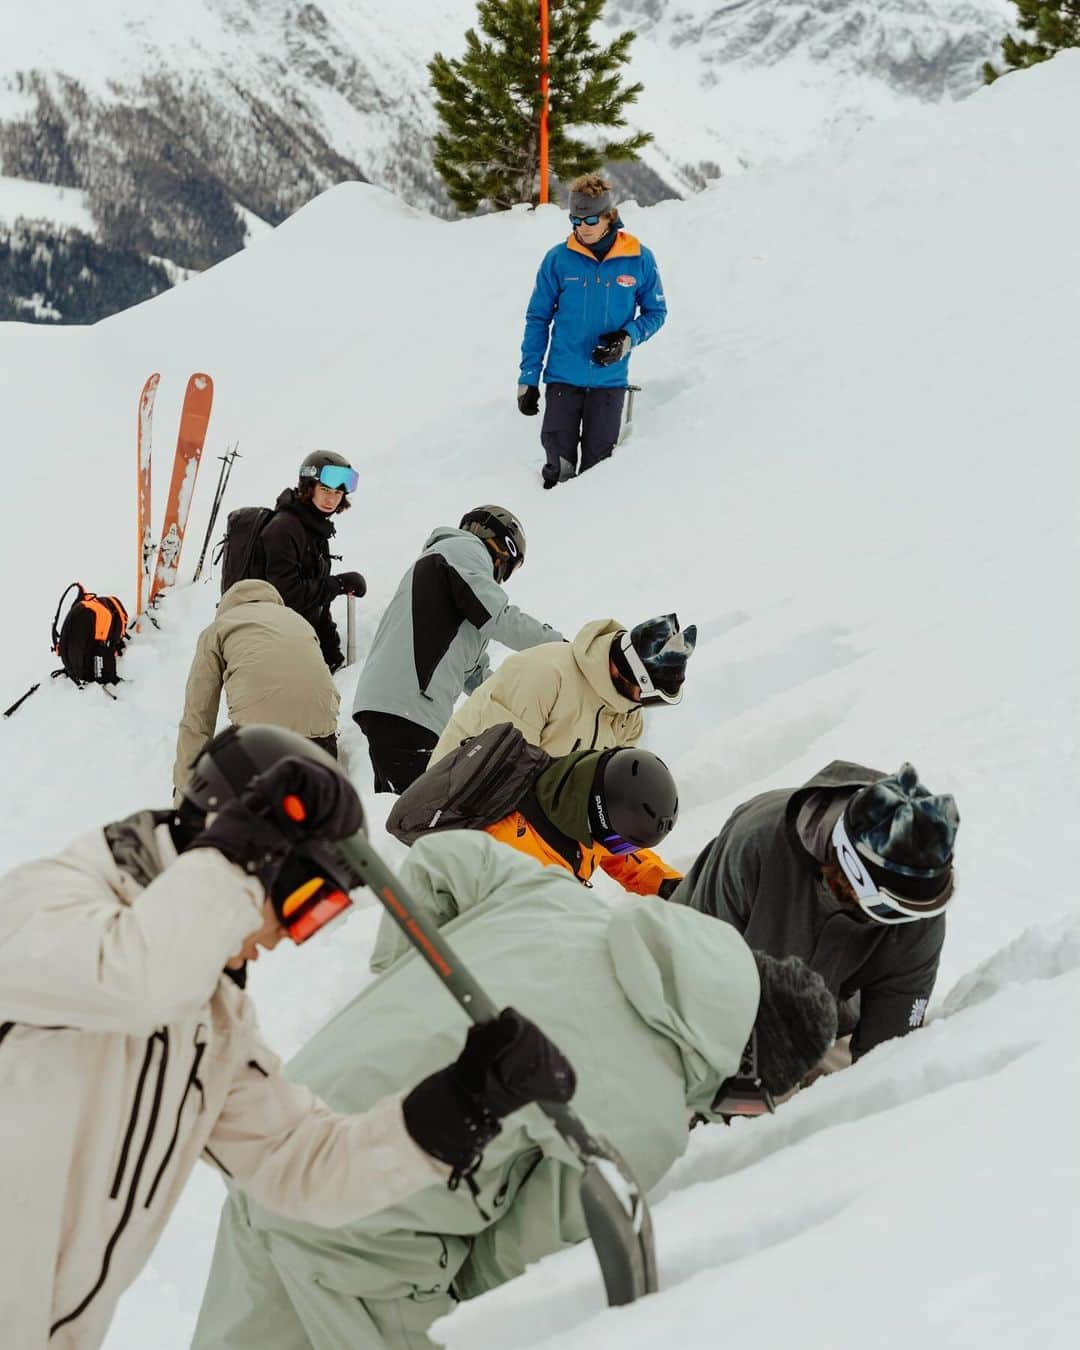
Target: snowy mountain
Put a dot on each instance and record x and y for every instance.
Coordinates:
(184, 127)
(854, 467)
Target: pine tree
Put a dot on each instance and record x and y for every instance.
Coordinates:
(1055, 23)
(489, 101)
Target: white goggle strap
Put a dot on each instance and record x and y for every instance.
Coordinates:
(641, 674)
(881, 906)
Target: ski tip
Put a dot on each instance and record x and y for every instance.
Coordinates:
(201, 381)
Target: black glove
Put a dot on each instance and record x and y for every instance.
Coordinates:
(612, 347)
(295, 800)
(349, 583)
(528, 399)
(666, 889)
(506, 1064)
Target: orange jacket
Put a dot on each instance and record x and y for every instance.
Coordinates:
(640, 872)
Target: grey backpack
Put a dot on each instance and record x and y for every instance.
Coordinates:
(475, 785)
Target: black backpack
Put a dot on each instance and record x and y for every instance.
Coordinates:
(240, 557)
(475, 785)
(90, 638)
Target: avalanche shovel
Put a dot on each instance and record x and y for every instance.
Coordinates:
(615, 1209)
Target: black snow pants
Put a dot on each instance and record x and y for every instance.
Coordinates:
(400, 750)
(573, 415)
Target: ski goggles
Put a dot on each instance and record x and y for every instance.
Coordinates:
(337, 477)
(650, 690)
(311, 891)
(594, 219)
(881, 904)
(617, 844)
(745, 1094)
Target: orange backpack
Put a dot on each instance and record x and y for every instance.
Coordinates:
(90, 638)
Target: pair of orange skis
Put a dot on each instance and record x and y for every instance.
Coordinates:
(159, 556)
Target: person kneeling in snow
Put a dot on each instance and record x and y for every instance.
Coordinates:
(657, 1008)
(126, 1054)
(268, 660)
(581, 695)
(590, 809)
(852, 872)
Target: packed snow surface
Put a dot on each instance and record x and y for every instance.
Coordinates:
(854, 467)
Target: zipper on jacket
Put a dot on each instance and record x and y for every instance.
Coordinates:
(129, 1203)
(596, 729)
(577, 742)
(132, 1119)
(501, 1193)
(192, 1081)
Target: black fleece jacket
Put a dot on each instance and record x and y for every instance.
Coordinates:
(758, 875)
(295, 548)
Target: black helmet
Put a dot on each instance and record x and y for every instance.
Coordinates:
(330, 469)
(502, 530)
(227, 764)
(633, 801)
(310, 887)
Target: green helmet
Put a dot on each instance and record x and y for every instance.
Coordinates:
(501, 530)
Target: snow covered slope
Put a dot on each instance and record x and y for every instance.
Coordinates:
(278, 99)
(855, 469)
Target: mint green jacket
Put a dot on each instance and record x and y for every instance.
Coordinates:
(652, 1003)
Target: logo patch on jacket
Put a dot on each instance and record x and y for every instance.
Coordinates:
(624, 280)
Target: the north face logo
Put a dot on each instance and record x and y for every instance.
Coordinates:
(624, 280)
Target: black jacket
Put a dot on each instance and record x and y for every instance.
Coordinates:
(295, 548)
(759, 875)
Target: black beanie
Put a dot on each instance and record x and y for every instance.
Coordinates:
(795, 1024)
(905, 834)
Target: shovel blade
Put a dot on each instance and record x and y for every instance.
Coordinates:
(620, 1229)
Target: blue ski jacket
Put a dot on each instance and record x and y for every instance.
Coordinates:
(576, 298)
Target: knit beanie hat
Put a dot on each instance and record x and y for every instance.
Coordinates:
(662, 647)
(904, 834)
(795, 1023)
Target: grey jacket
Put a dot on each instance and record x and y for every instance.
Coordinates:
(646, 985)
(431, 643)
(762, 874)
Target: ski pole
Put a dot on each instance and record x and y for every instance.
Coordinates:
(350, 631)
(616, 1211)
(227, 460)
(20, 701)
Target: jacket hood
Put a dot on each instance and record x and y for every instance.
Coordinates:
(591, 649)
(248, 592)
(812, 809)
(312, 517)
(441, 532)
(692, 980)
(563, 789)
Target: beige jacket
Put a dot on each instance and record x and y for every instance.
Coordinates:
(268, 659)
(125, 1055)
(559, 696)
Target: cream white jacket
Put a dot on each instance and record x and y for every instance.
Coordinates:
(125, 1055)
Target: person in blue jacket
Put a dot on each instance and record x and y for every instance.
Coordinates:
(596, 296)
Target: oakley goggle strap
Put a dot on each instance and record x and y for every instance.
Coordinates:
(883, 906)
